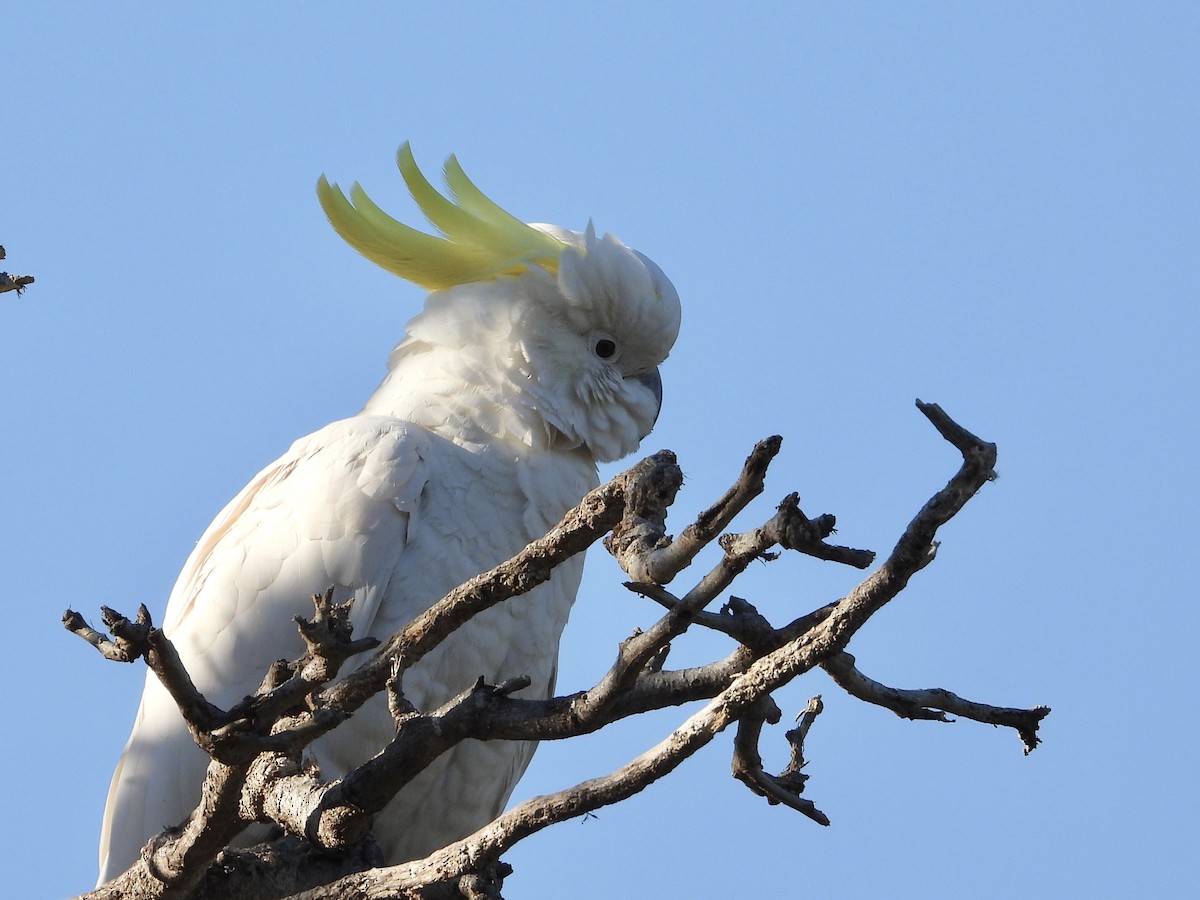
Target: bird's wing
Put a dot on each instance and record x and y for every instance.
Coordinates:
(298, 528)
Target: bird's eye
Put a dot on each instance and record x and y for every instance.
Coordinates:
(605, 348)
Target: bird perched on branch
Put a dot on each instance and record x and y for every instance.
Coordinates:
(535, 357)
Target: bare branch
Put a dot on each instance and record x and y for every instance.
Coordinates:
(598, 512)
(639, 540)
(533, 815)
(796, 531)
(786, 787)
(174, 863)
(932, 703)
(257, 773)
(916, 547)
(765, 674)
(329, 642)
(130, 641)
(421, 739)
(282, 868)
(16, 283)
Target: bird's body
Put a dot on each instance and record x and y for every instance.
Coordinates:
(498, 403)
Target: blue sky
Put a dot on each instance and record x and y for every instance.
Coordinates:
(993, 207)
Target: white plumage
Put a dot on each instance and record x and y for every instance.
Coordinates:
(535, 357)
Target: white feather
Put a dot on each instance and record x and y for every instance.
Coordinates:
(382, 511)
(485, 430)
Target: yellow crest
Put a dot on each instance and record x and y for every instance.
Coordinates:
(480, 240)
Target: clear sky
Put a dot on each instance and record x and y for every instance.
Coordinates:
(993, 207)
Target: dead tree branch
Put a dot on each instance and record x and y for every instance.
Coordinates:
(932, 703)
(786, 787)
(257, 773)
(16, 283)
(262, 735)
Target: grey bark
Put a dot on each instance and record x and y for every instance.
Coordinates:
(258, 773)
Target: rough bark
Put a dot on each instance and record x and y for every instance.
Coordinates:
(257, 773)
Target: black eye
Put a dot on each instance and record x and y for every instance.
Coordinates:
(605, 348)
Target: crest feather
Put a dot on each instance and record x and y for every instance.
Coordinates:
(479, 239)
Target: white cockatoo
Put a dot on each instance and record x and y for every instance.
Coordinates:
(535, 357)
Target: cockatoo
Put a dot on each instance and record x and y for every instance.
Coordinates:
(535, 357)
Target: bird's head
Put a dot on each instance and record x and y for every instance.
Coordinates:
(578, 323)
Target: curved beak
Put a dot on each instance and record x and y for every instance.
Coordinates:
(653, 381)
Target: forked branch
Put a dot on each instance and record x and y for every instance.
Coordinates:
(258, 772)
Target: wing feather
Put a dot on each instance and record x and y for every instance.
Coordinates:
(296, 529)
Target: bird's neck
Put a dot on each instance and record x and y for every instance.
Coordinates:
(461, 373)
(464, 398)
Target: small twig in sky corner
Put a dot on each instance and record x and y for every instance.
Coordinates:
(16, 283)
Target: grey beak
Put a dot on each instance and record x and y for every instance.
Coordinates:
(653, 381)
